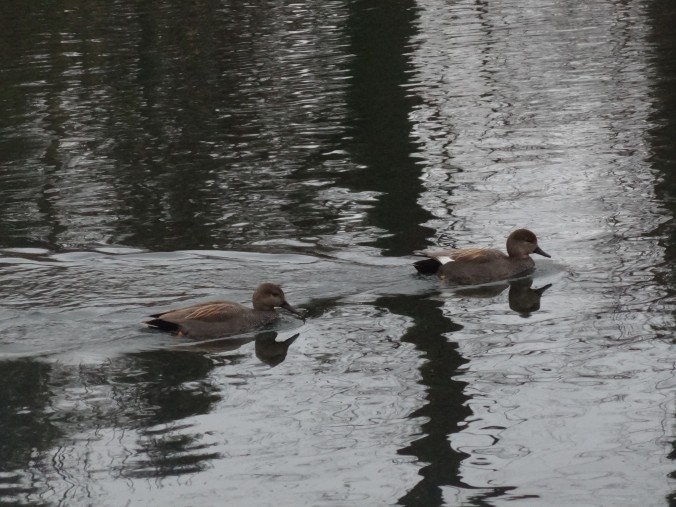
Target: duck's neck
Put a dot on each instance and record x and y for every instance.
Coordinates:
(516, 253)
(264, 308)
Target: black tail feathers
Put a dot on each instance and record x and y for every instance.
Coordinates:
(162, 325)
(427, 266)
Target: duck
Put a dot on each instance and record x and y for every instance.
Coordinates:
(219, 318)
(476, 266)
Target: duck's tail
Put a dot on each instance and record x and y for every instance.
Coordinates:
(162, 325)
(427, 266)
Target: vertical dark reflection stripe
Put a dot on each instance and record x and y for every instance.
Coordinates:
(445, 401)
(380, 32)
(662, 147)
(662, 136)
(445, 407)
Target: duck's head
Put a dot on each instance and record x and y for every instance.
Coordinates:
(522, 243)
(269, 296)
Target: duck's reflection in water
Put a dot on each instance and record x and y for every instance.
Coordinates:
(267, 347)
(269, 350)
(523, 298)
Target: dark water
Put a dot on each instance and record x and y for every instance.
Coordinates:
(154, 155)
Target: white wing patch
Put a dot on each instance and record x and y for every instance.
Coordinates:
(444, 259)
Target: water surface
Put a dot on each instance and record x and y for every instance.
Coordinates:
(156, 157)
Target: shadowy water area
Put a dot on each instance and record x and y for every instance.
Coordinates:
(154, 156)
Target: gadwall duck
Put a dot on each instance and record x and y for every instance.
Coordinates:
(218, 318)
(474, 266)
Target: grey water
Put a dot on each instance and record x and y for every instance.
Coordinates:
(160, 154)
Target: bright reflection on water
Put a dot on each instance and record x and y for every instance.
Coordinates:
(151, 158)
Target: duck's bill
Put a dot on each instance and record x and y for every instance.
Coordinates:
(291, 309)
(540, 251)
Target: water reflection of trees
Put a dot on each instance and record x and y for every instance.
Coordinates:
(445, 406)
(162, 389)
(26, 430)
(663, 161)
(195, 124)
(54, 416)
(380, 33)
(380, 36)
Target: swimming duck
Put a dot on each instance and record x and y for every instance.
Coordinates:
(474, 266)
(218, 318)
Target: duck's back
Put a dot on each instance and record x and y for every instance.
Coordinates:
(476, 255)
(217, 318)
